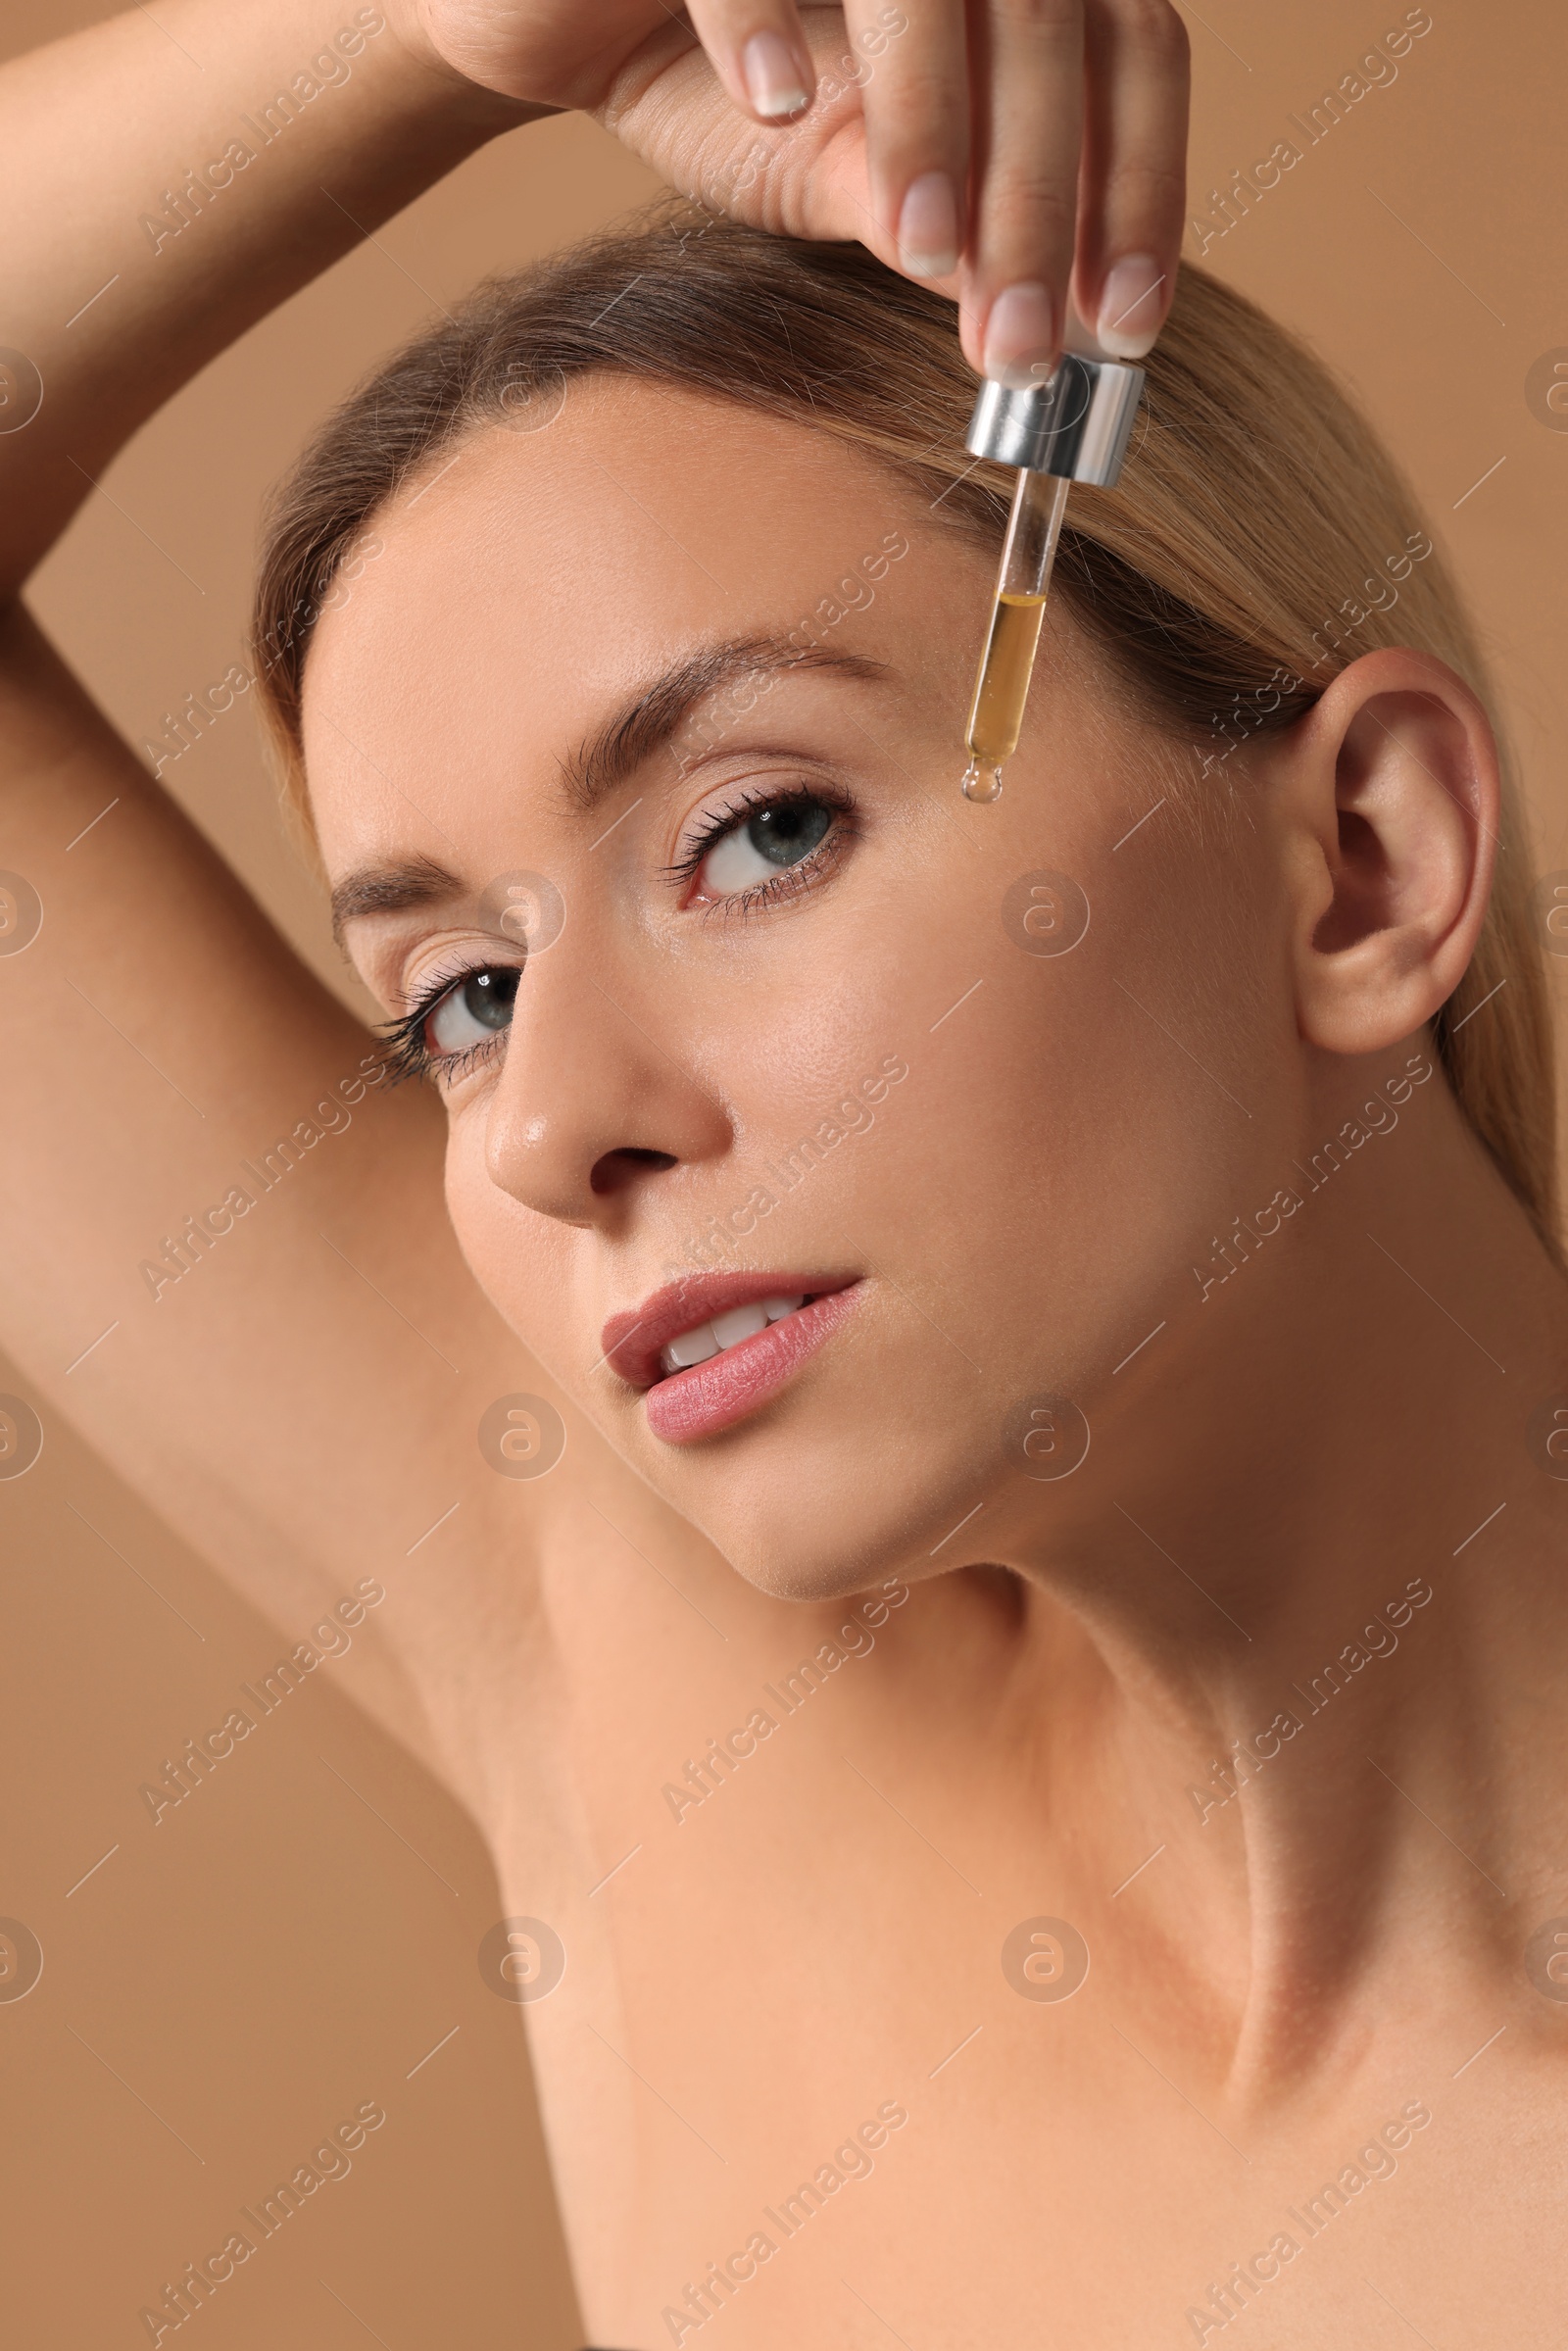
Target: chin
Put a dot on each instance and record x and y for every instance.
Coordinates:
(817, 1498)
(823, 1553)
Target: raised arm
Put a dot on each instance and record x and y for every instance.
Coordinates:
(168, 183)
(222, 1254)
(180, 178)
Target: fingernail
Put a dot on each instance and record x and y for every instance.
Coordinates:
(928, 226)
(1020, 347)
(1129, 308)
(771, 75)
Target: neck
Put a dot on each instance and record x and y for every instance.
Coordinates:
(1308, 1571)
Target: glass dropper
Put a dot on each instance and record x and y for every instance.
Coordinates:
(1002, 683)
(1073, 427)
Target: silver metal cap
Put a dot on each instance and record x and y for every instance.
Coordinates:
(1076, 426)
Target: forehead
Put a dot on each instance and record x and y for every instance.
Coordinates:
(524, 584)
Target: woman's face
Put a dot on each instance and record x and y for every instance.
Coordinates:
(734, 1000)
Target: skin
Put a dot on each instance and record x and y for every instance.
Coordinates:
(1029, 159)
(1039, 1671)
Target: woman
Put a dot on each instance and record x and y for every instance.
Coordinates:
(1002, 1619)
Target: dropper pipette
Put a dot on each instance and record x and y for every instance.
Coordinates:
(1074, 427)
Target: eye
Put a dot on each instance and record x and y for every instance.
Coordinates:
(760, 847)
(472, 1013)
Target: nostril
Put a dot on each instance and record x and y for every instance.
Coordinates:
(618, 1168)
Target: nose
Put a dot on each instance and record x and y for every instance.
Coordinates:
(594, 1100)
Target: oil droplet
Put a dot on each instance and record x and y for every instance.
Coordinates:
(983, 784)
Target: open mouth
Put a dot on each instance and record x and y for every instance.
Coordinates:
(709, 1339)
(708, 1350)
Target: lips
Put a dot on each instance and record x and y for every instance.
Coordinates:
(708, 1396)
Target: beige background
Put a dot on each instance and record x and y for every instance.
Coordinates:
(222, 1989)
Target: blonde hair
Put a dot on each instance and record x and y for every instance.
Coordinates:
(1223, 579)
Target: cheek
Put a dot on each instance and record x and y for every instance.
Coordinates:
(1051, 1153)
(1059, 1150)
(522, 1261)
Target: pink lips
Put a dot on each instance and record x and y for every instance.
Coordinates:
(708, 1396)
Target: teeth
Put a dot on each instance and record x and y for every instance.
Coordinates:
(741, 1322)
(692, 1346)
(725, 1330)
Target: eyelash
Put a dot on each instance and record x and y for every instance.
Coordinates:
(403, 1054)
(717, 822)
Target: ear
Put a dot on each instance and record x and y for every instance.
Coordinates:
(1388, 789)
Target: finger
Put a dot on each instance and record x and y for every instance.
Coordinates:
(911, 68)
(759, 53)
(1021, 245)
(1133, 187)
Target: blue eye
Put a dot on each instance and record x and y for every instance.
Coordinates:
(472, 1013)
(769, 840)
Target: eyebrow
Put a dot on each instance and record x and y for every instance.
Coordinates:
(645, 723)
(390, 889)
(653, 718)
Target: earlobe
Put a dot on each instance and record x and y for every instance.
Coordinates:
(1390, 792)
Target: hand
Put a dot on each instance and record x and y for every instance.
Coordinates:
(1018, 154)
